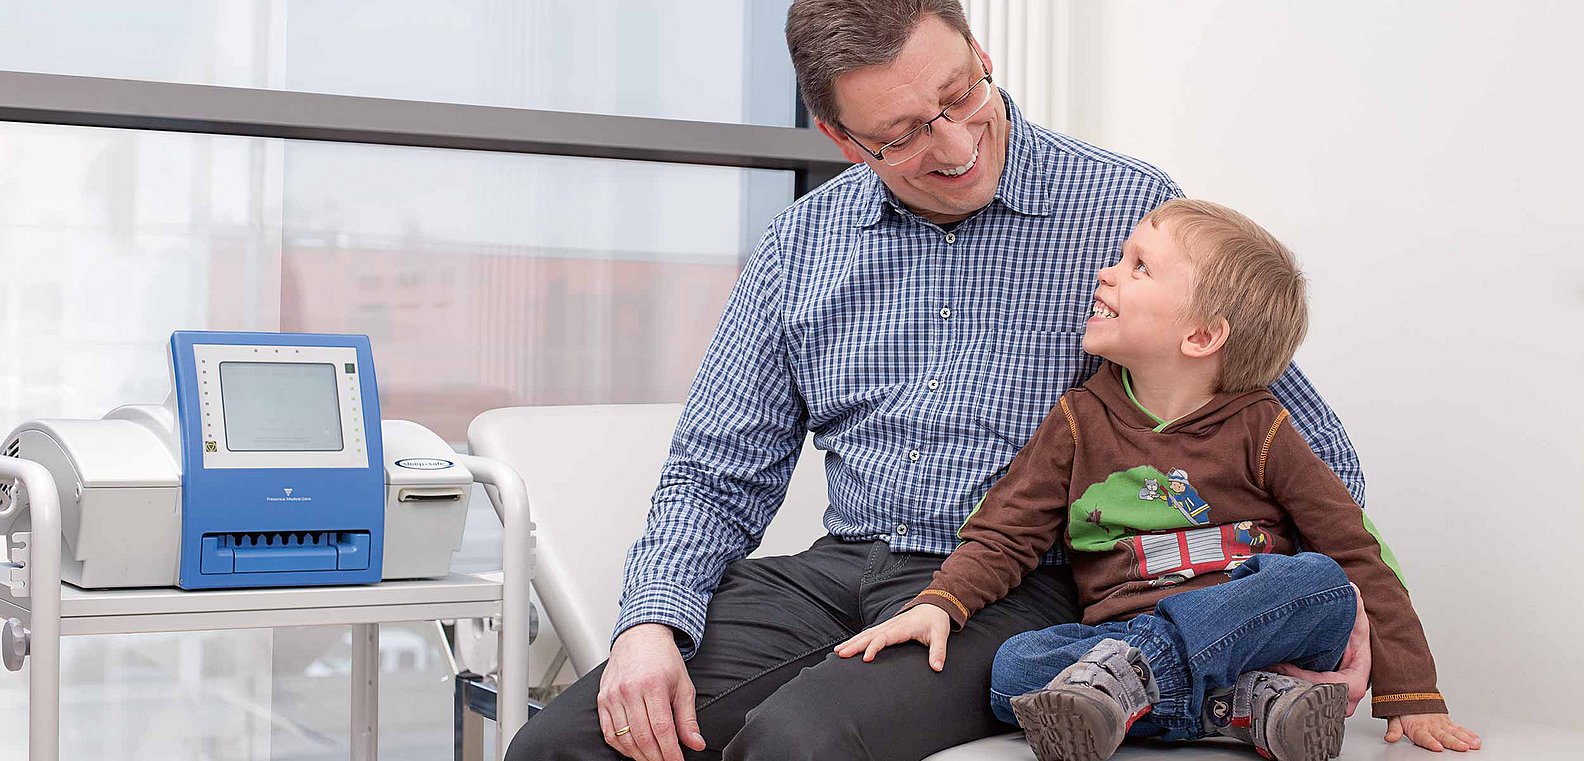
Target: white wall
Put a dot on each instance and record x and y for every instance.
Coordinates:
(1422, 159)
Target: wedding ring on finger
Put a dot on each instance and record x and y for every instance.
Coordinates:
(624, 730)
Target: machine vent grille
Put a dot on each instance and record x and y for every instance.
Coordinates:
(12, 447)
(284, 539)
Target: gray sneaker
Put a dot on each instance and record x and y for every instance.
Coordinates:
(1284, 718)
(1084, 713)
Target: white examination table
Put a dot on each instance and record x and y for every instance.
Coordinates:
(591, 470)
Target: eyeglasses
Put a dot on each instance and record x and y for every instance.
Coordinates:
(917, 140)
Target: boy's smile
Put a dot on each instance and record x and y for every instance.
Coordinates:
(1137, 319)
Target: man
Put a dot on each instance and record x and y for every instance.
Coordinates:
(920, 313)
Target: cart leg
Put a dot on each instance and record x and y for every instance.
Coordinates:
(44, 621)
(365, 692)
(472, 736)
(467, 725)
(44, 682)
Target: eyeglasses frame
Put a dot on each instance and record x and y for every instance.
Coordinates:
(879, 155)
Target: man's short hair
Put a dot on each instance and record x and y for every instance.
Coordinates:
(1241, 273)
(829, 38)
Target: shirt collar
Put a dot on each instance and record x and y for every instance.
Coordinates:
(876, 197)
(1025, 182)
(1021, 188)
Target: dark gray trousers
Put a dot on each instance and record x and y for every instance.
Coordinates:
(769, 686)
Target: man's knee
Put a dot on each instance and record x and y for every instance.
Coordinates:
(535, 741)
(567, 729)
(556, 739)
(795, 733)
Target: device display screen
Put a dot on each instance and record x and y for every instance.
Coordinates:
(280, 407)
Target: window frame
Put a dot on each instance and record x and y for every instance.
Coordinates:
(65, 99)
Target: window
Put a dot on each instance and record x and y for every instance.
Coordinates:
(483, 278)
(707, 60)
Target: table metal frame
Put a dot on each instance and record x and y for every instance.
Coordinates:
(50, 610)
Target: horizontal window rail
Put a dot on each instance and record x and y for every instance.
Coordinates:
(173, 107)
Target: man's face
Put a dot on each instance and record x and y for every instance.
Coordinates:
(1137, 320)
(881, 103)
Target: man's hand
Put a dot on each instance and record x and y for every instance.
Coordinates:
(1354, 670)
(646, 698)
(926, 624)
(1431, 731)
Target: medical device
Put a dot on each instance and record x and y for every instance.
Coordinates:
(268, 465)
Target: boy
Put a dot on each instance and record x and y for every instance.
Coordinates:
(1183, 494)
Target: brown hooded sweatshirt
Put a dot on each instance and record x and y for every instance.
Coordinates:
(1148, 509)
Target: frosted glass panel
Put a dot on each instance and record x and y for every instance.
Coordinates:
(709, 60)
(489, 280)
(482, 280)
(110, 240)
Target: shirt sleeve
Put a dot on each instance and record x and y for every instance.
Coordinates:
(731, 458)
(1019, 519)
(1403, 674)
(1320, 429)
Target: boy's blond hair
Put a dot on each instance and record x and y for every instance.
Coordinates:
(1241, 273)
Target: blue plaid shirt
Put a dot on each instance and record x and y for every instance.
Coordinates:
(921, 359)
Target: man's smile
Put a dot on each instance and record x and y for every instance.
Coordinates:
(963, 173)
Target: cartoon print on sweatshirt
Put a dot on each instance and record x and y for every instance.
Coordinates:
(1126, 503)
(1183, 496)
(1174, 557)
(1130, 511)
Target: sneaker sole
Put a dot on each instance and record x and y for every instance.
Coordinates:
(1310, 726)
(1069, 725)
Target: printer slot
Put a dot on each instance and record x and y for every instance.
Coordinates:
(430, 494)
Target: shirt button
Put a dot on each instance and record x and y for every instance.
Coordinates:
(901, 529)
(933, 384)
(913, 455)
(951, 238)
(945, 313)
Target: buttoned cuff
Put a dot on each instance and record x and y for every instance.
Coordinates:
(665, 603)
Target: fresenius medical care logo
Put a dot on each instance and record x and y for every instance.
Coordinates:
(288, 497)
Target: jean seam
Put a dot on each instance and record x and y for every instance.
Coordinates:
(901, 563)
(869, 564)
(749, 680)
(1167, 680)
(1227, 639)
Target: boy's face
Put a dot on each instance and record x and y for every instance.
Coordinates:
(1137, 320)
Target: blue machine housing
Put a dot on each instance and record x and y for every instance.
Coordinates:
(238, 531)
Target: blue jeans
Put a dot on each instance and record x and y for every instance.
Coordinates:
(1295, 609)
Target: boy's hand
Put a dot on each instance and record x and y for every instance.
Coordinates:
(926, 624)
(1431, 731)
